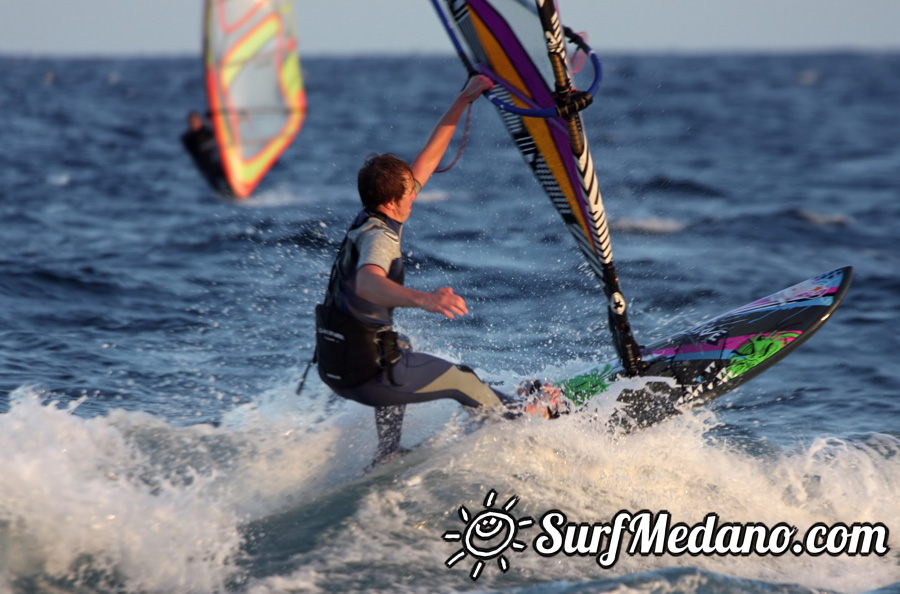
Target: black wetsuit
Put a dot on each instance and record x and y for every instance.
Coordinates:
(201, 145)
(368, 363)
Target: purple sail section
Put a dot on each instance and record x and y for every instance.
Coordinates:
(515, 51)
(540, 96)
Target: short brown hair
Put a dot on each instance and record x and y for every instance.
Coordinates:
(383, 179)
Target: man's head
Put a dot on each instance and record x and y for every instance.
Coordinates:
(194, 120)
(386, 184)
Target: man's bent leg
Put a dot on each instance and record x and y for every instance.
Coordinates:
(420, 377)
(473, 391)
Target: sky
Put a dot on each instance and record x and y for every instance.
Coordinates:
(342, 27)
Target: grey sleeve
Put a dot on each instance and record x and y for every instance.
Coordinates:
(378, 245)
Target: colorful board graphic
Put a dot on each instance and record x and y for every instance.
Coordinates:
(693, 367)
(254, 85)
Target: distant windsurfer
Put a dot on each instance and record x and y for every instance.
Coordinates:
(359, 355)
(200, 142)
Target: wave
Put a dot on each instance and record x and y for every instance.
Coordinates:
(275, 497)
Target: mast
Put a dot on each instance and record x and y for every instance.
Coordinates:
(569, 102)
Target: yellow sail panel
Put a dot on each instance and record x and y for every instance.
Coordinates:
(254, 85)
(552, 153)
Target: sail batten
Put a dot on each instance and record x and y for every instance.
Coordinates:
(254, 85)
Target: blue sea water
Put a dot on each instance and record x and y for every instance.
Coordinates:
(153, 335)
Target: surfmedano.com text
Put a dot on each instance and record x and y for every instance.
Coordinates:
(655, 534)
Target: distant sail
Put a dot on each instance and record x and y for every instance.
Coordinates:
(254, 85)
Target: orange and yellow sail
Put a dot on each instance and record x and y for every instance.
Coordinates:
(254, 85)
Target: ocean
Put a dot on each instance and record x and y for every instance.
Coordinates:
(153, 335)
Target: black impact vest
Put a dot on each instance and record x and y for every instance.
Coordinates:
(350, 352)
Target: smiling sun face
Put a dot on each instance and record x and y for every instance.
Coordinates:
(487, 535)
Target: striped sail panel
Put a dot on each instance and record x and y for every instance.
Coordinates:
(492, 31)
(254, 85)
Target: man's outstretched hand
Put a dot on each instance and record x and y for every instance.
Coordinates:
(444, 301)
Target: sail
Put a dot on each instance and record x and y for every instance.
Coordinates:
(254, 85)
(568, 179)
(539, 107)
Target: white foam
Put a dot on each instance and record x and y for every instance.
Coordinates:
(573, 465)
(163, 507)
(77, 488)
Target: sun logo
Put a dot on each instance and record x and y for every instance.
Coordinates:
(487, 535)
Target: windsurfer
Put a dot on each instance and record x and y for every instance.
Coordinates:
(200, 142)
(359, 355)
